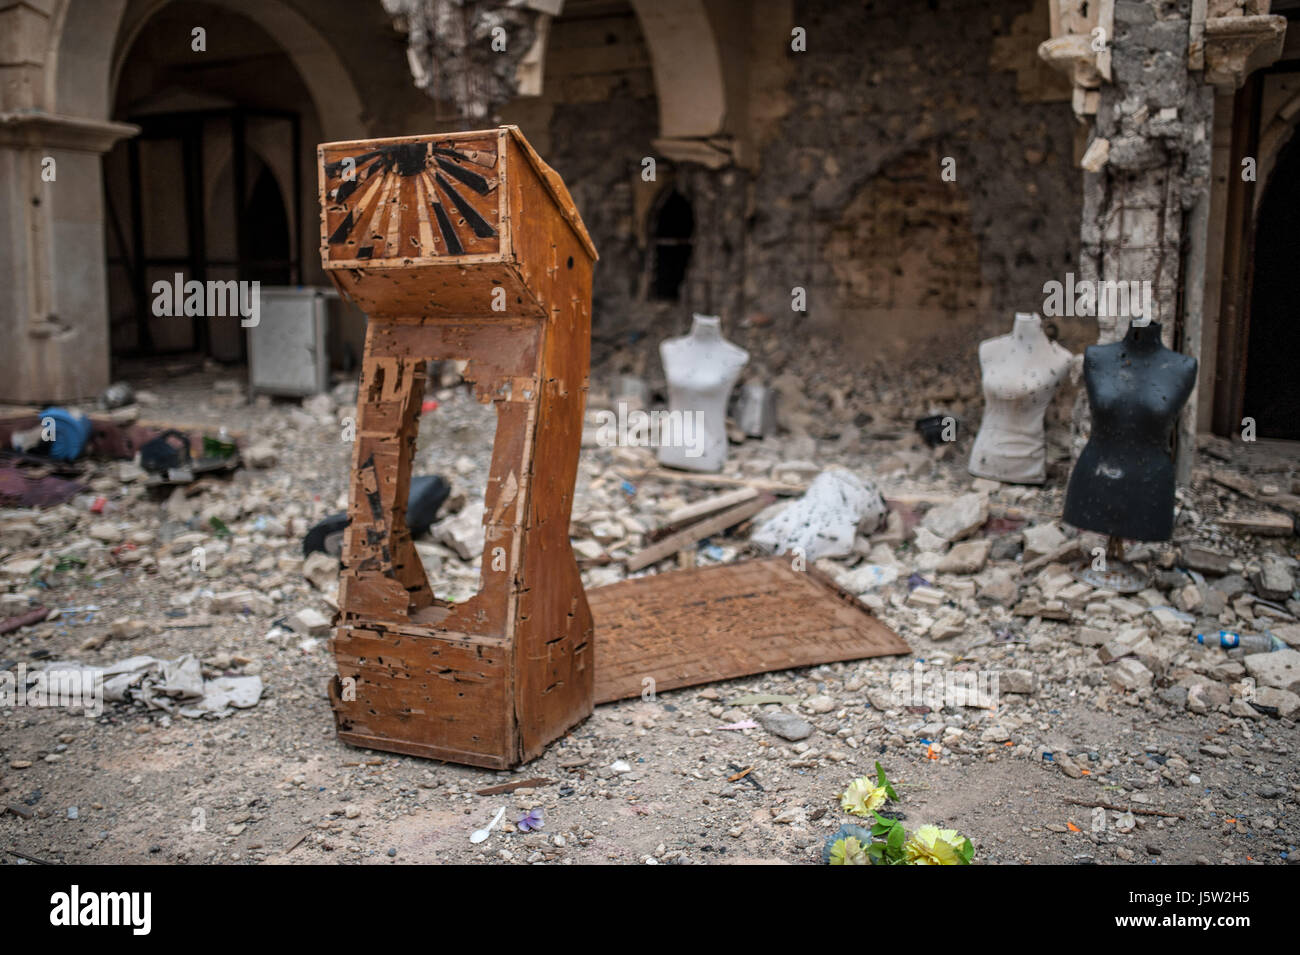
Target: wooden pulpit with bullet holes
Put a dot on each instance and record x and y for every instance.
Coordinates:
(462, 246)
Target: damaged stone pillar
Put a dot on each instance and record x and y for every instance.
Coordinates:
(1145, 72)
(54, 301)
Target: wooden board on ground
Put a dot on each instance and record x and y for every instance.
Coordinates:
(686, 628)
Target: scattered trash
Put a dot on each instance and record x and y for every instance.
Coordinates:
(165, 453)
(18, 488)
(117, 395)
(742, 725)
(480, 835)
(837, 506)
(427, 494)
(530, 821)
(70, 430)
(756, 410)
(35, 615)
(174, 686)
(932, 427)
(1250, 642)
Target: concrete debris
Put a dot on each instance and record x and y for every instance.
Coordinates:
(1111, 690)
(309, 622)
(1280, 669)
(959, 519)
(174, 686)
(462, 532)
(826, 521)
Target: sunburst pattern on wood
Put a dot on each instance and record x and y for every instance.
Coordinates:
(412, 200)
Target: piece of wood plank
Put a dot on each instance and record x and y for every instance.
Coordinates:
(696, 532)
(687, 628)
(712, 480)
(1260, 524)
(710, 505)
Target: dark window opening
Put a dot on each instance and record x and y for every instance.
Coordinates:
(674, 225)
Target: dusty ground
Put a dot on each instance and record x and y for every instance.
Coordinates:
(639, 781)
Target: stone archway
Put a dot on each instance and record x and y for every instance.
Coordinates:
(692, 100)
(54, 309)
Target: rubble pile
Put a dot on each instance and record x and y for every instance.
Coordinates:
(1017, 661)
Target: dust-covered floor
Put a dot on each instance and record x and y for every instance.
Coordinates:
(1171, 735)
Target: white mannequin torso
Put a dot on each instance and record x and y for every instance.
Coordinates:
(1021, 371)
(701, 369)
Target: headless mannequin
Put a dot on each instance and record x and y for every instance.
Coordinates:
(1021, 373)
(701, 369)
(1123, 483)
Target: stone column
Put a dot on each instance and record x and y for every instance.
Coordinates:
(1144, 74)
(54, 300)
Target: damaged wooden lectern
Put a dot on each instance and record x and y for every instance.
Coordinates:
(462, 246)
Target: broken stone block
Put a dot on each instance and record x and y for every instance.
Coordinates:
(127, 628)
(242, 601)
(966, 557)
(1170, 622)
(588, 549)
(1205, 560)
(949, 625)
(825, 521)
(1188, 599)
(322, 570)
(464, 532)
(1285, 702)
(1092, 636)
(1244, 710)
(1041, 540)
(1206, 697)
(309, 622)
(928, 543)
(1128, 674)
(926, 597)
(1273, 580)
(892, 531)
(1288, 633)
(1130, 641)
(959, 519)
(1233, 585)
(997, 584)
(1280, 669)
(105, 532)
(260, 455)
(786, 725)
(319, 406)
(1017, 681)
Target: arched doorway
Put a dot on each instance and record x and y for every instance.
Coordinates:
(220, 184)
(1272, 390)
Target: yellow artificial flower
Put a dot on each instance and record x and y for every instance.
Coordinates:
(863, 797)
(931, 845)
(849, 852)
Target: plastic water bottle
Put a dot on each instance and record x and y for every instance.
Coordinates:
(1250, 642)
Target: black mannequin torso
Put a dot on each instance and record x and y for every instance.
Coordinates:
(1123, 483)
